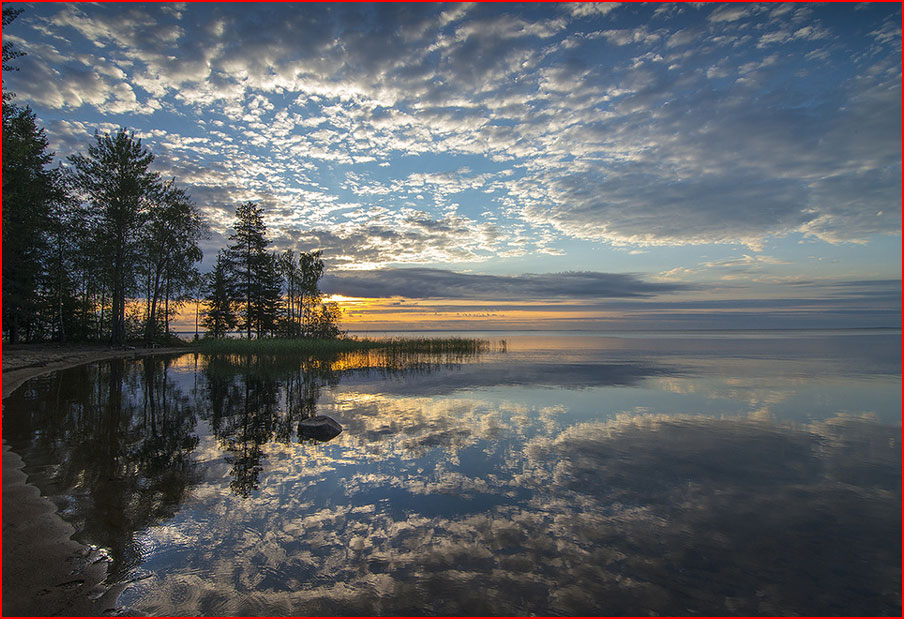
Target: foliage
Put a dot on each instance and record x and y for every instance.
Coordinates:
(30, 191)
(261, 284)
(78, 245)
(9, 51)
(86, 247)
(291, 273)
(311, 269)
(220, 317)
(324, 321)
(116, 181)
(249, 267)
(171, 236)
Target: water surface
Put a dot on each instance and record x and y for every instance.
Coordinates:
(713, 473)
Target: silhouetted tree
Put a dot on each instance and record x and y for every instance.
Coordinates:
(324, 322)
(30, 189)
(311, 267)
(61, 295)
(269, 295)
(291, 272)
(258, 280)
(250, 267)
(219, 317)
(9, 51)
(171, 236)
(196, 287)
(116, 181)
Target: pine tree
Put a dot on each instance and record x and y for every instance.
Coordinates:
(116, 181)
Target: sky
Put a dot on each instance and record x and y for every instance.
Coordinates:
(598, 166)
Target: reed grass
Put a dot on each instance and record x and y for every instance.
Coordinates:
(311, 346)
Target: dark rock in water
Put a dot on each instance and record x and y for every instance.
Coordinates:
(320, 428)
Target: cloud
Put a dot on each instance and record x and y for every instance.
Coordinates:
(716, 168)
(424, 283)
(374, 237)
(585, 9)
(630, 36)
(634, 208)
(682, 133)
(731, 12)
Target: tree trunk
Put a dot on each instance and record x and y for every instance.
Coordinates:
(147, 310)
(103, 302)
(166, 306)
(117, 330)
(150, 329)
(13, 328)
(248, 317)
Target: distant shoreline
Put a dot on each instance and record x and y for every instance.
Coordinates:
(620, 331)
(613, 332)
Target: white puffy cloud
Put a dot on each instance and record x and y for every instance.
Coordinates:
(576, 121)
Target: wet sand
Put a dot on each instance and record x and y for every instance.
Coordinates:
(45, 572)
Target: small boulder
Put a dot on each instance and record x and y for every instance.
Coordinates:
(321, 428)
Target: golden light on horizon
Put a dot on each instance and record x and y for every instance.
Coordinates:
(394, 313)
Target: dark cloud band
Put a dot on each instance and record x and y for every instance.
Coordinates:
(424, 283)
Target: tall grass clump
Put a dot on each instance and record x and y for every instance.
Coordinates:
(440, 345)
(450, 346)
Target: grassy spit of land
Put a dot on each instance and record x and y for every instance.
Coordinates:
(313, 347)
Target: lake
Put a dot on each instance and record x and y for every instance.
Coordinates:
(671, 473)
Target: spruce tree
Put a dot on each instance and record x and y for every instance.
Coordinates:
(30, 190)
(220, 317)
(248, 262)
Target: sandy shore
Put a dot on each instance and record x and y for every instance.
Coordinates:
(45, 572)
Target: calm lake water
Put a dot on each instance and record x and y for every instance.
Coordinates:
(564, 474)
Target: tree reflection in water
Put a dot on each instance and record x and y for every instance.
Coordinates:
(255, 399)
(465, 505)
(112, 443)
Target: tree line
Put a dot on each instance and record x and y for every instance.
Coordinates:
(106, 249)
(263, 293)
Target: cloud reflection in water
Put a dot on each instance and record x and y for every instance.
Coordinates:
(449, 503)
(647, 514)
